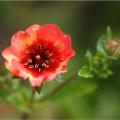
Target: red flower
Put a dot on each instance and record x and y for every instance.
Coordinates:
(39, 53)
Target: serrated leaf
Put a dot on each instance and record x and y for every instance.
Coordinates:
(85, 72)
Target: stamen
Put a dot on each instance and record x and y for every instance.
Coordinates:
(44, 64)
(26, 63)
(38, 46)
(49, 55)
(46, 61)
(46, 52)
(29, 60)
(31, 66)
(39, 69)
(51, 60)
(36, 65)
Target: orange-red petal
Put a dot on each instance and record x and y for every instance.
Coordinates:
(22, 39)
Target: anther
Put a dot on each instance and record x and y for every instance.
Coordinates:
(51, 60)
(36, 65)
(31, 66)
(44, 64)
(39, 69)
(38, 46)
(29, 60)
(26, 63)
(50, 54)
(46, 52)
(46, 61)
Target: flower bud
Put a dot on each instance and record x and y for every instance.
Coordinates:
(112, 46)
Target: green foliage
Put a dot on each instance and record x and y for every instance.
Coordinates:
(85, 72)
(15, 91)
(99, 63)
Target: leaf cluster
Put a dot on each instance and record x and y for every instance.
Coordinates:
(99, 63)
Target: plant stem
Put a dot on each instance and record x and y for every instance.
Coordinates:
(25, 116)
(57, 89)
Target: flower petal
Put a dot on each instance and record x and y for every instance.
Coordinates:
(8, 55)
(50, 32)
(67, 40)
(11, 68)
(69, 52)
(18, 42)
(35, 81)
(33, 28)
(22, 39)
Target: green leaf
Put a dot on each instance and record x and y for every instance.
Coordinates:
(76, 88)
(89, 59)
(2, 96)
(85, 72)
(101, 46)
(108, 34)
(105, 73)
(15, 84)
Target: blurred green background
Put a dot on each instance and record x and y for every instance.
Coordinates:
(85, 22)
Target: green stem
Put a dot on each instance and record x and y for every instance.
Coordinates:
(57, 89)
(25, 116)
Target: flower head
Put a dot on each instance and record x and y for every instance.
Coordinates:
(39, 53)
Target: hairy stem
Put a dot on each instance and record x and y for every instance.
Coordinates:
(57, 89)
